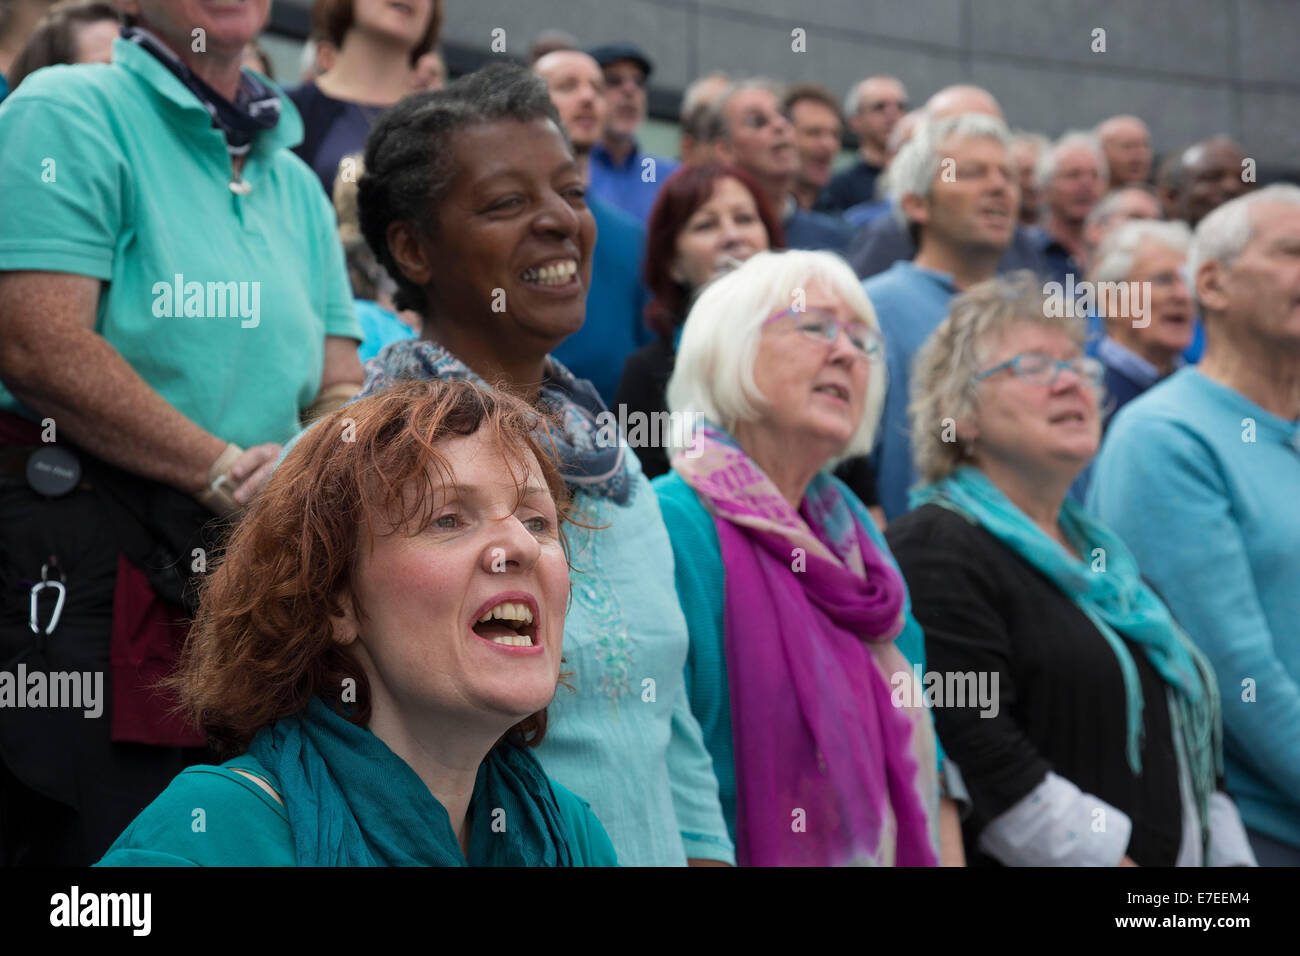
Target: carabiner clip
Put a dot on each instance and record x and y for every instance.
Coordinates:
(37, 588)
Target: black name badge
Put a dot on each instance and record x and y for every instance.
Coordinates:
(53, 471)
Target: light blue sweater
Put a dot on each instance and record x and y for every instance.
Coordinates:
(1204, 487)
(701, 586)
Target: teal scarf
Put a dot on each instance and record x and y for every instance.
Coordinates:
(353, 802)
(1108, 588)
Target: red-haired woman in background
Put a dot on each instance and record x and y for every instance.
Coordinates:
(706, 220)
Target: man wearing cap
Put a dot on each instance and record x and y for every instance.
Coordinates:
(621, 174)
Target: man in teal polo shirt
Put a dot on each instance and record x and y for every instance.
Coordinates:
(175, 299)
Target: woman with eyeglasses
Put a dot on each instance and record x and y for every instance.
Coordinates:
(802, 642)
(1101, 741)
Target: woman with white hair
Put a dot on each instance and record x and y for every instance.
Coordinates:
(1104, 746)
(1143, 298)
(798, 617)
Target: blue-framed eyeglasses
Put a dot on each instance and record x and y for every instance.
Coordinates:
(824, 327)
(1040, 369)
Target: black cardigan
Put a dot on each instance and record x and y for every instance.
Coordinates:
(984, 608)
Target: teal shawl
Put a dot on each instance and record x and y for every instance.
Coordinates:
(1108, 588)
(353, 802)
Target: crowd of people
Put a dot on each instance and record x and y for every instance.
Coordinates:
(978, 546)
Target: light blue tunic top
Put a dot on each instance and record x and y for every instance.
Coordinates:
(1204, 487)
(625, 739)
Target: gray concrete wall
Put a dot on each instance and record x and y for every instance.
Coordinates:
(1188, 67)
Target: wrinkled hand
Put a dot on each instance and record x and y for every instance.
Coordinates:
(252, 469)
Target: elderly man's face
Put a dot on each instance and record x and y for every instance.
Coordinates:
(577, 88)
(1127, 144)
(1260, 289)
(881, 103)
(972, 202)
(817, 131)
(227, 26)
(625, 97)
(1212, 176)
(1130, 204)
(1076, 185)
(487, 550)
(761, 139)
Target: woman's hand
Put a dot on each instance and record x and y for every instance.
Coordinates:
(1126, 861)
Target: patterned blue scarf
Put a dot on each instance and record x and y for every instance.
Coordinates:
(353, 802)
(256, 106)
(585, 463)
(1107, 586)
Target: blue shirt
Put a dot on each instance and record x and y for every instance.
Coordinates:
(910, 302)
(884, 240)
(631, 185)
(379, 327)
(1204, 487)
(815, 230)
(614, 327)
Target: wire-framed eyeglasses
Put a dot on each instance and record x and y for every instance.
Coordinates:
(825, 327)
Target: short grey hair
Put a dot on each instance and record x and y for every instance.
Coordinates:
(1047, 159)
(1109, 203)
(917, 163)
(1119, 250)
(714, 372)
(717, 125)
(853, 98)
(1225, 232)
(943, 378)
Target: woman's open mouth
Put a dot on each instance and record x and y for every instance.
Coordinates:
(560, 275)
(509, 625)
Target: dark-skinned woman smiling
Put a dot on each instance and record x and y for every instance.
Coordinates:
(473, 202)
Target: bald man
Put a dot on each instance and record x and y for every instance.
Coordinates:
(614, 328)
(1206, 175)
(1126, 141)
(883, 241)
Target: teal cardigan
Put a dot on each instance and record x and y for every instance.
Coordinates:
(701, 587)
(216, 816)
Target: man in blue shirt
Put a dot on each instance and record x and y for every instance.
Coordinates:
(614, 327)
(956, 184)
(1199, 475)
(885, 239)
(1071, 178)
(621, 174)
(873, 107)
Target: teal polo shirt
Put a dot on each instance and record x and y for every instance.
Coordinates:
(220, 302)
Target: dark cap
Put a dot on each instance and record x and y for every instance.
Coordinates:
(613, 52)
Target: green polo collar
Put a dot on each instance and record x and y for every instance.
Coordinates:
(169, 90)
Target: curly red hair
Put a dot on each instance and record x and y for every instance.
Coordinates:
(262, 644)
